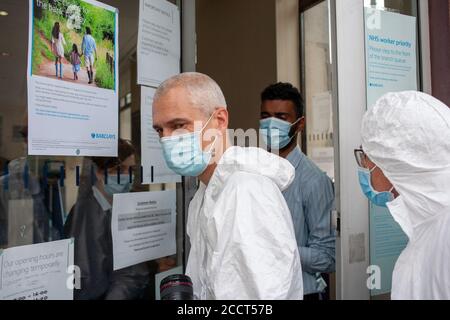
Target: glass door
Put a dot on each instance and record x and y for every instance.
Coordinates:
(317, 62)
(317, 87)
(39, 195)
(392, 64)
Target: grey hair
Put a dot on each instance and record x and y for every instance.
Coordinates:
(204, 93)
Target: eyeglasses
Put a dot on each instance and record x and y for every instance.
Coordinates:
(361, 158)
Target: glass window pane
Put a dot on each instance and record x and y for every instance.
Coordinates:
(125, 124)
(406, 7)
(42, 197)
(317, 64)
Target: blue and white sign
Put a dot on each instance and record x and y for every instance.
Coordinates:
(391, 66)
(39, 272)
(391, 53)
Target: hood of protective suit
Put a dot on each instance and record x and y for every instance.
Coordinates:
(407, 135)
(255, 161)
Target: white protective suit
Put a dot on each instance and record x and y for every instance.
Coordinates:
(407, 135)
(242, 237)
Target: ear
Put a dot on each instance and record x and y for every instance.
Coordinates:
(300, 127)
(222, 118)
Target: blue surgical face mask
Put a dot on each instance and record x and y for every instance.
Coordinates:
(380, 199)
(114, 187)
(276, 132)
(184, 154)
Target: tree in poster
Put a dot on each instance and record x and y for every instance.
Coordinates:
(73, 17)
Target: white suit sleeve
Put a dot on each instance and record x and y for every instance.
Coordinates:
(255, 253)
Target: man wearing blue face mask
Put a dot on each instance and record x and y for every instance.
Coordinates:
(241, 233)
(89, 223)
(311, 197)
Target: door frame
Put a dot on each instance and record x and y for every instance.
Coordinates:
(349, 102)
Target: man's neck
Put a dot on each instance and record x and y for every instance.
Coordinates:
(206, 176)
(287, 151)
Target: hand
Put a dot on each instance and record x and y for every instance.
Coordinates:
(166, 264)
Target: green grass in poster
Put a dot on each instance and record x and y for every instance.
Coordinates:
(73, 16)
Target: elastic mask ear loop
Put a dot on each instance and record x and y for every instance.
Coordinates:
(213, 144)
(207, 122)
(299, 119)
(291, 135)
(215, 137)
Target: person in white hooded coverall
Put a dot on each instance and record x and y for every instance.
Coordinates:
(242, 238)
(406, 141)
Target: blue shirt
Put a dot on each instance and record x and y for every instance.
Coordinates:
(311, 200)
(88, 46)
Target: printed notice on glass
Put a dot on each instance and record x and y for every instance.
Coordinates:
(155, 169)
(143, 227)
(159, 45)
(72, 78)
(37, 272)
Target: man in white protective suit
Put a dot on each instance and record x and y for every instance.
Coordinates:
(405, 166)
(242, 238)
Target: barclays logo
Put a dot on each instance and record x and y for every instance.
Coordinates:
(103, 136)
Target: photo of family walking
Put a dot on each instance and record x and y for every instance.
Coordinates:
(74, 41)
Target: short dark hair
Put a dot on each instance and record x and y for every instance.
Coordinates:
(126, 149)
(286, 92)
(88, 30)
